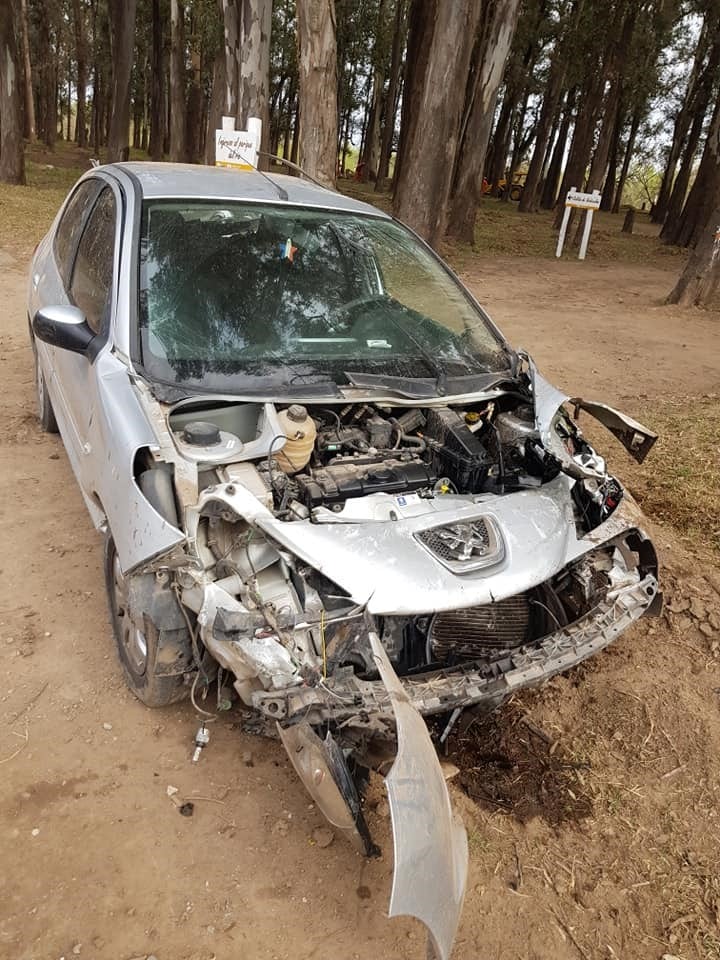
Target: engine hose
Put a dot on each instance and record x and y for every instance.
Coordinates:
(416, 442)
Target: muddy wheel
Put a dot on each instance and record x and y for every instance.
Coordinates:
(46, 414)
(139, 650)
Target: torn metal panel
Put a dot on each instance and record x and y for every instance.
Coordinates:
(637, 439)
(549, 401)
(431, 850)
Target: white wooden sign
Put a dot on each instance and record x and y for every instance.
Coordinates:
(583, 201)
(238, 148)
(577, 200)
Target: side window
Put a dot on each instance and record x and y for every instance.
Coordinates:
(93, 272)
(70, 223)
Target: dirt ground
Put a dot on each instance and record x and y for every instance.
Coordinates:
(591, 806)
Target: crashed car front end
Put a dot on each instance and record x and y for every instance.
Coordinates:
(346, 613)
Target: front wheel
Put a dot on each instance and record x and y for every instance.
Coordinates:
(144, 653)
(46, 414)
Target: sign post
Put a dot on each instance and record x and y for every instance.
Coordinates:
(575, 199)
(238, 149)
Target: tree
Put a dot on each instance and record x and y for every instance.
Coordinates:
(157, 88)
(393, 94)
(122, 26)
(698, 283)
(12, 162)
(177, 81)
(81, 55)
(27, 76)
(493, 48)
(317, 62)
(423, 186)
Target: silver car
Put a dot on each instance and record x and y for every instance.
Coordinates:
(326, 482)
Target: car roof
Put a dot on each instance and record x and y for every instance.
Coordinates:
(196, 181)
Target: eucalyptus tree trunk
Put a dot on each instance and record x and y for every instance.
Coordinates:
(421, 23)
(157, 84)
(246, 30)
(178, 152)
(217, 105)
(549, 193)
(254, 90)
(629, 147)
(27, 76)
(422, 191)
(122, 32)
(703, 196)
(681, 127)
(467, 189)
(393, 92)
(317, 68)
(529, 201)
(81, 58)
(698, 283)
(12, 160)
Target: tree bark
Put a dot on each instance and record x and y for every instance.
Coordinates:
(608, 193)
(529, 201)
(217, 105)
(157, 84)
(629, 147)
(12, 158)
(122, 31)
(704, 193)
(467, 191)
(178, 152)
(47, 94)
(680, 187)
(81, 58)
(548, 198)
(698, 283)
(421, 23)
(393, 91)
(254, 89)
(497, 157)
(27, 76)
(680, 130)
(317, 67)
(423, 190)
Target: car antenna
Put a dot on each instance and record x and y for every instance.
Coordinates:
(294, 166)
(281, 191)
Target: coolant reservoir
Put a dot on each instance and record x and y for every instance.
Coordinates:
(299, 428)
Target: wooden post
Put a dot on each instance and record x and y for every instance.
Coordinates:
(629, 221)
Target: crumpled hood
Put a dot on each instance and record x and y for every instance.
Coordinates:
(382, 565)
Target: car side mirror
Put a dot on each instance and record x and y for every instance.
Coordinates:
(64, 327)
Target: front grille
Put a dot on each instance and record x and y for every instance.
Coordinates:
(477, 632)
(464, 546)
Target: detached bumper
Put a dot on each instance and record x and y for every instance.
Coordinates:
(364, 703)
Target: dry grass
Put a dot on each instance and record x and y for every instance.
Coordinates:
(683, 488)
(502, 231)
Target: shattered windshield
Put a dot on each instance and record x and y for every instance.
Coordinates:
(236, 295)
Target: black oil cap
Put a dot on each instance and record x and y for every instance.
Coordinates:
(199, 433)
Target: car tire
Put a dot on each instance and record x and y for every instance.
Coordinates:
(46, 414)
(139, 651)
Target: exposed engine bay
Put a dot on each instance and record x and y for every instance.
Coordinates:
(355, 566)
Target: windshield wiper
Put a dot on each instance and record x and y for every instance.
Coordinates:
(423, 387)
(403, 386)
(437, 369)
